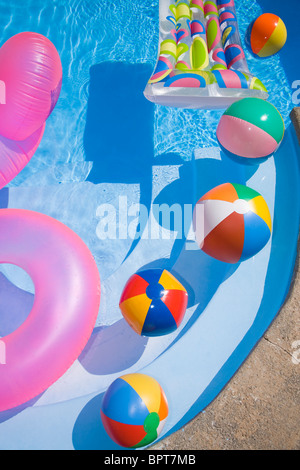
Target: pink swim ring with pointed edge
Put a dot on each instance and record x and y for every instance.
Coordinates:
(30, 79)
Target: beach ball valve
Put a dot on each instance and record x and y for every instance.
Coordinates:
(232, 222)
(153, 302)
(250, 130)
(266, 35)
(134, 410)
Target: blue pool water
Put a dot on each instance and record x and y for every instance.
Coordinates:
(105, 140)
(89, 34)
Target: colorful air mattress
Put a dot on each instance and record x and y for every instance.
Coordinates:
(201, 61)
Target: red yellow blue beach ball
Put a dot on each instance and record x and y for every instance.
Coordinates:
(232, 222)
(266, 35)
(153, 302)
(134, 410)
(250, 128)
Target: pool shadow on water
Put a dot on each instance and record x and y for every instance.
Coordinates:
(94, 436)
(119, 132)
(118, 136)
(100, 356)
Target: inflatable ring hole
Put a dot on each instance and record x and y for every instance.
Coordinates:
(17, 297)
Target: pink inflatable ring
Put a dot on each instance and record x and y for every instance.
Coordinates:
(66, 304)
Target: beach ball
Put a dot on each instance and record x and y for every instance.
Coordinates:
(266, 35)
(134, 410)
(250, 128)
(232, 222)
(153, 302)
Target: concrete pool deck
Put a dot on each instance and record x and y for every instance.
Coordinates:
(259, 409)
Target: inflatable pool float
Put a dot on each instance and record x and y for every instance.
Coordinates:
(201, 61)
(31, 72)
(62, 317)
(229, 307)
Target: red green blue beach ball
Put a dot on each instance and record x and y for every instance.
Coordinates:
(232, 222)
(134, 410)
(250, 128)
(153, 302)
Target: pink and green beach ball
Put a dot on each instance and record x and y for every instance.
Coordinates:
(250, 128)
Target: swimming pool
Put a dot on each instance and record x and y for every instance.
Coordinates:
(87, 34)
(103, 141)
